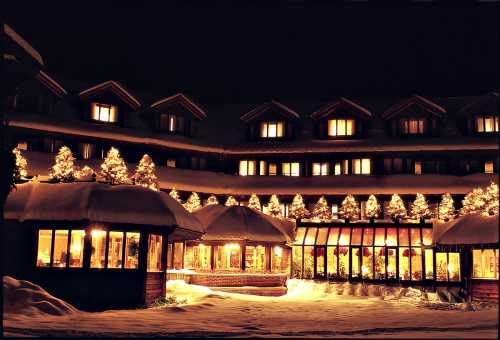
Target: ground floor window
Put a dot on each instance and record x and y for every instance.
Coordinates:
(122, 247)
(178, 254)
(485, 263)
(198, 256)
(228, 256)
(155, 252)
(60, 247)
(255, 258)
(447, 266)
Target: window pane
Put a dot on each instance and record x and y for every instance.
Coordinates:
(485, 263)
(488, 167)
(255, 258)
(488, 124)
(297, 262)
(356, 236)
(427, 236)
(429, 264)
(368, 237)
(279, 259)
(132, 250)
(115, 247)
(379, 263)
(415, 236)
(98, 248)
(60, 248)
(104, 113)
(367, 267)
(44, 248)
(418, 168)
(366, 166)
(332, 127)
(311, 236)
(155, 250)
(263, 130)
(454, 266)
(335, 211)
(480, 124)
(338, 169)
(356, 166)
(413, 126)
(391, 263)
(243, 168)
(343, 254)
(228, 256)
(76, 248)
(345, 236)
(272, 130)
(171, 163)
(316, 169)
(379, 236)
(341, 127)
(404, 263)
(285, 169)
(272, 169)
(308, 262)
(331, 264)
(496, 124)
(391, 237)
(333, 236)
(324, 169)
(345, 167)
(420, 126)
(356, 262)
(251, 168)
(416, 264)
(262, 169)
(403, 237)
(178, 255)
(320, 261)
(169, 255)
(350, 127)
(295, 170)
(299, 237)
(322, 235)
(441, 267)
(280, 131)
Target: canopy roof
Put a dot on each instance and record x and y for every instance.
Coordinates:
(469, 229)
(238, 223)
(100, 203)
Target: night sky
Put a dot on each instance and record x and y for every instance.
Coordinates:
(247, 53)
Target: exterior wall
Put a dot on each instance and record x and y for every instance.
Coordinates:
(484, 290)
(237, 280)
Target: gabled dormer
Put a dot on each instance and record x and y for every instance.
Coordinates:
(270, 121)
(176, 114)
(480, 118)
(414, 117)
(341, 119)
(107, 103)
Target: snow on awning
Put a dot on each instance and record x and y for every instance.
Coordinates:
(238, 223)
(98, 203)
(469, 229)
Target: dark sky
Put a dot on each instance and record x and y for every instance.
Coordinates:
(249, 53)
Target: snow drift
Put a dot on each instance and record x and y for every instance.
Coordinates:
(25, 298)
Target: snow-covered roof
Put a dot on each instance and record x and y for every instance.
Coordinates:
(116, 88)
(183, 100)
(341, 102)
(52, 84)
(426, 104)
(283, 109)
(23, 44)
(97, 203)
(468, 229)
(238, 223)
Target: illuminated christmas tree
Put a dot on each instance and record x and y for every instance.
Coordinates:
(64, 168)
(145, 173)
(211, 200)
(231, 201)
(372, 207)
(86, 173)
(396, 208)
(491, 199)
(446, 210)
(298, 209)
(113, 169)
(193, 203)
(321, 211)
(254, 202)
(273, 207)
(349, 209)
(175, 195)
(420, 208)
(21, 164)
(473, 202)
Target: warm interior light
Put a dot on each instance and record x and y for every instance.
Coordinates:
(390, 269)
(97, 233)
(75, 248)
(278, 251)
(389, 243)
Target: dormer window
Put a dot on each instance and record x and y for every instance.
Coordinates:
(485, 124)
(104, 113)
(413, 126)
(341, 127)
(272, 129)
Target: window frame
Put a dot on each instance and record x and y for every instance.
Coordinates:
(247, 163)
(333, 124)
(406, 126)
(290, 173)
(278, 125)
(361, 161)
(110, 107)
(482, 118)
(53, 230)
(321, 165)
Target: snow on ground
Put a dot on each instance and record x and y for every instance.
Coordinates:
(308, 310)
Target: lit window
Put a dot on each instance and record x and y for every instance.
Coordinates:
(338, 169)
(198, 257)
(341, 127)
(290, 169)
(98, 248)
(413, 126)
(485, 263)
(361, 166)
(284, 209)
(447, 266)
(44, 248)
(418, 168)
(132, 250)
(228, 256)
(272, 169)
(104, 113)
(60, 248)
(22, 145)
(272, 129)
(262, 168)
(279, 259)
(155, 251)
(255, 258)
(178, 255)
(170, 163)
(76, 248)
(345, 167)
(488, 167)
(335, 211)
(115, 249)
(60, 251)
(487, 124)
(320, 169)
(86, 150)
(248, 168)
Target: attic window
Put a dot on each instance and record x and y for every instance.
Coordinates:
(486, 124)
(272, 129)
(341, 127)
(412, 126)
(104, 113)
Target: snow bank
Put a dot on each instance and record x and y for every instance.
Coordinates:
(25, 298)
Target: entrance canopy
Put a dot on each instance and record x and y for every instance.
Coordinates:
(469, 229)
(100, 203)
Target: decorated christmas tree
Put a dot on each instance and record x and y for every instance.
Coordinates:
(145, 173)
(21, 164)
(64, 168)
(273, 207)
(446, 210)
(193, 203)
(211, 200)
(298, 209)
(84, 174)
(254, 202)
(491, 199)
(396, 208)
(420, 208)
(175, 195)
(231, 201)
(321, 211)
(113, 169)
(372, 207)
(473, 202)
(349, 208)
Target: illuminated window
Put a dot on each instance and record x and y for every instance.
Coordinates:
(416, 264)
(262, 168)
(155, 251)
(297, 262)
(22, 145)
(170, 163)
(178, 254)
(485, 263)
(76, 248)
(418, 168)
(290, 169)
(115, 249)
(320, 169)
(272, 169)
(228, 256)
(361, 166)
(86, 150)
(272, 129)
(335, 211)
(413, 126)
(104, 113)
(429, 264)
(379, 263)
(279, 259)
(311, 236)
(98, 248)
(44, 248)
(132, 250)
(356, 236)
(345, 167)
(447, 266)
(427, 236)
(338, 169)
(404, 263)
(308, 262)
(284, 209)
(488, 167)
(248, 168)
(198, 257)
(255, 258)
(487, 124)
(341, 127)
